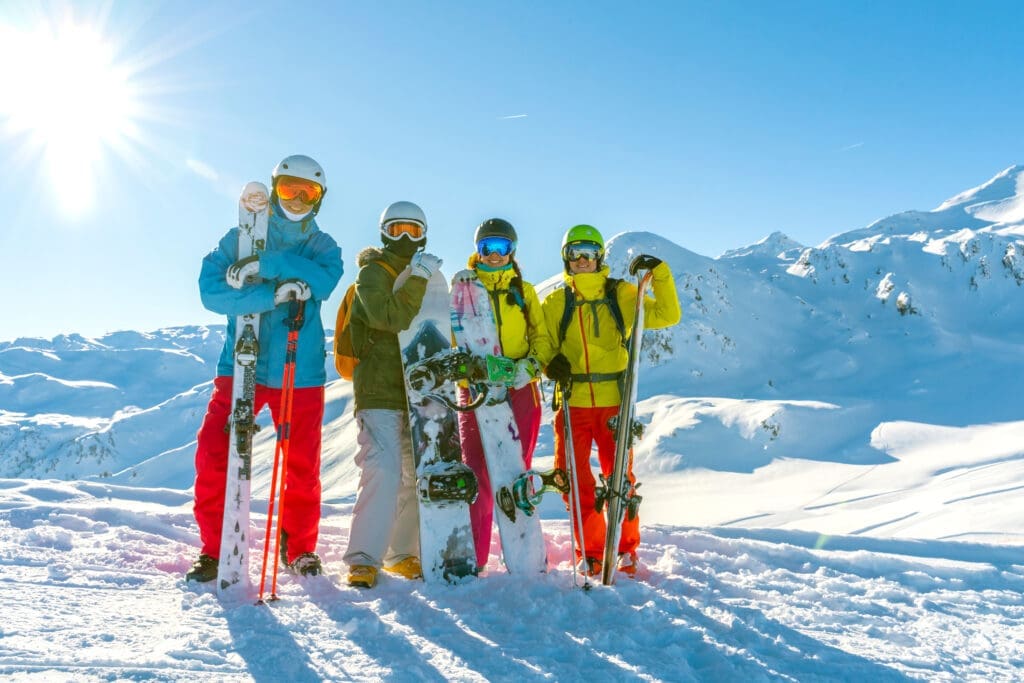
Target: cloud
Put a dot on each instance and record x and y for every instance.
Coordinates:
(513, 116)
(201, 169)
(853, 146)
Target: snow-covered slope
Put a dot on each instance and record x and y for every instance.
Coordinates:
(90, 577)
(831, 479)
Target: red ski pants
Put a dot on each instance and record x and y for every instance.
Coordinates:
(590, 426)
(300, 515)
(526, 409)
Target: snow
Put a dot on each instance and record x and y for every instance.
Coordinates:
(91, 580)
(831, 481)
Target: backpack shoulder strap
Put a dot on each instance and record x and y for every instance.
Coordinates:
(570, 304)
(611, 286)
(386, 266)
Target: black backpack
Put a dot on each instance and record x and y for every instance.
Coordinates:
(610, 286)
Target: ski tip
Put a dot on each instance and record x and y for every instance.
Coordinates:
(255, 196)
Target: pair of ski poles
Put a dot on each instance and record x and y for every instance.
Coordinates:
(296, 317)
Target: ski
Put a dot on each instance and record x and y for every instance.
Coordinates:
(617, 496)
(233, 568)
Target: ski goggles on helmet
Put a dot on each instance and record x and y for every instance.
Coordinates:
(502, 246)
(590, 251)
(413, 229)
(289, 188)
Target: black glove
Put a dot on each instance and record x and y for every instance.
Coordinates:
(559, 369)
(643, 262)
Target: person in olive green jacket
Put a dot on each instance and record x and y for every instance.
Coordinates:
(385, 520)
(589, 350)
(517, 314)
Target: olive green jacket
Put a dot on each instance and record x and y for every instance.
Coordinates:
(379, 313)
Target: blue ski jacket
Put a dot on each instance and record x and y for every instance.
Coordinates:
(294, 250)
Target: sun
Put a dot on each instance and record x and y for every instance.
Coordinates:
(68, 102)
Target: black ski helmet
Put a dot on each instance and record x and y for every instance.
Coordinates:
(496, 227)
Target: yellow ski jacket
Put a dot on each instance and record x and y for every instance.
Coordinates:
(519, 325)
(593, 345)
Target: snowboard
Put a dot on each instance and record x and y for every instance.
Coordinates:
(445, 486)
(233, 567)
(522, 540)
(618, 496)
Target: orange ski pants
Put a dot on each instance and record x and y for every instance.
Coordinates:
(590, 427)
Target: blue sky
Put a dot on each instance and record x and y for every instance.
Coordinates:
(713, 124)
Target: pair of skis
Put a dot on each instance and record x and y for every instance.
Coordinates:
(616, 495)
(233, 569)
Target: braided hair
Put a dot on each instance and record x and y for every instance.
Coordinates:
(516, 295)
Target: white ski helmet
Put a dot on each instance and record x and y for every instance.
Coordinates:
(301, 166)
(403, 211)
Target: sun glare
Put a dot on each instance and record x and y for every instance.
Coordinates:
(68, 102)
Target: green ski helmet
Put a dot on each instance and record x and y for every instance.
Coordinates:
(582, 233)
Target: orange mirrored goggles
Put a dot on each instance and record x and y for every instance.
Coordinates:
(289, 188)
(396, 229)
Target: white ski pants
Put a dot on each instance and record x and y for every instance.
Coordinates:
(385, 520)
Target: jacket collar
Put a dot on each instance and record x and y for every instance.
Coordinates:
(589, 285)
(286, 232)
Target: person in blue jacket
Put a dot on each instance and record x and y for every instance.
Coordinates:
(300, 261)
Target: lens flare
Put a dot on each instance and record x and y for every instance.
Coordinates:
(67, 103)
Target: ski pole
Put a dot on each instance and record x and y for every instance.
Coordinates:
(575, 509)
(271, 497)
(295, 321)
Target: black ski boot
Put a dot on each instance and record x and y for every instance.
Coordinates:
(307, 564)
(284, 548)
(204, 569)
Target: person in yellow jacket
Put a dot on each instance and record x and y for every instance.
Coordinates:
(520, 325)
(587, 347)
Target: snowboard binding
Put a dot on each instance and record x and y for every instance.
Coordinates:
(525, 495)
(427, 376)
(456, 482)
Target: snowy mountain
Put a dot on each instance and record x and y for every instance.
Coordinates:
(831, 478)
(912, 318)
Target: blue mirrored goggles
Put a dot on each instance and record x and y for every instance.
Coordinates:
(590, 251)
(502, 246)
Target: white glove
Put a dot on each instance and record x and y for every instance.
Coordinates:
(527, 369)
(291, 289)
(242, 271)
(424, 265)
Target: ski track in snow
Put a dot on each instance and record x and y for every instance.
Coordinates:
(91, 581)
